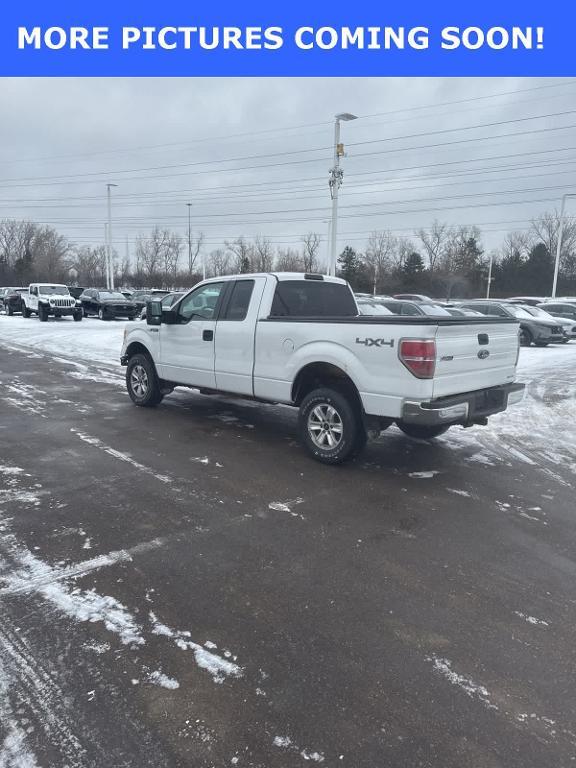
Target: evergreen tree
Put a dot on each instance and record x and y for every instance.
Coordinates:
(350, 266)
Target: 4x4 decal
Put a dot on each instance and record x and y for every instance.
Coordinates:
(375, 342)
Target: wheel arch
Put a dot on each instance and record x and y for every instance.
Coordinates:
(322, 374)
(137, 348)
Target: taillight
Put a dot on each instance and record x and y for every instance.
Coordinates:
(419, 356)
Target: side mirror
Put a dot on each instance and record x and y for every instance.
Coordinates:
(153, 312)
(169, 316)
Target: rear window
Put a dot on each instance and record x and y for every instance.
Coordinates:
(312, 298)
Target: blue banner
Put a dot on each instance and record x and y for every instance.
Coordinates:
(258, 38)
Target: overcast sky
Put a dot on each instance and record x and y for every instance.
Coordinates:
(252, 155)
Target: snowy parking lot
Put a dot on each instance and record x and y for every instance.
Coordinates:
(183, 586)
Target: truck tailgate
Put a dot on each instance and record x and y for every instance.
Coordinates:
(474, 356)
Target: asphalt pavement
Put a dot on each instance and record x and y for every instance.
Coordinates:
(184, 586)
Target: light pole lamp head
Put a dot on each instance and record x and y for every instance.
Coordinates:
(346, 116)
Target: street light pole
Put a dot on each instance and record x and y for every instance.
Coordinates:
(335, 182)
(489, 276)
(559, 243)
(109, 238)
(189, 240)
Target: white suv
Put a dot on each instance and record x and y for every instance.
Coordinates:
(45, 299)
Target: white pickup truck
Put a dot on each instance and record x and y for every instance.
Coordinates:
(45, 299)
(298, 339)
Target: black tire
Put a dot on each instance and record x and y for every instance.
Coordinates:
(541, 343)
(10, 311)
(142, 382)
(26, 312)
(342, 412)
(102, 314)
(525, 338)
(77, 316)
(42, 315)
(422, 431)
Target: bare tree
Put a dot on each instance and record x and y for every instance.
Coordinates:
(242, 253)
(289, 260)
(434, 241)
(218, 263)
(158, 254)
(516, 245)
(379, 256)
(90, 264)
(545, 229)
(311, 245)
(195, 246)
(263, 255)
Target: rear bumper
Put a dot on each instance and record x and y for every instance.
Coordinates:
(466, 409)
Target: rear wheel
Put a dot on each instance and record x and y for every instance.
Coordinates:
(330, 425)
(142, 382)
(525, 338)
(26, 312)
(423, 431)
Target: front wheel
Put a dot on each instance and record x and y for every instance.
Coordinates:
(101, 314)
(525, 338)
(42, 315)
(330, 426)
(77, 317)
(142, 382)
(10, 312)
(423, 431)
(26, 312)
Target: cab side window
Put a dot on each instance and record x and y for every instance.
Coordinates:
(239, 302)
(201, 304)
(409, 310)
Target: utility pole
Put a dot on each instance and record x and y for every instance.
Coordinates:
(489, 276)
(109, 238)
(335, 182)
(559, 243)
(189, 205)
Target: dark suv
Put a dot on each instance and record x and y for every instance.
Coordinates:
(11, 300)
(533, 330)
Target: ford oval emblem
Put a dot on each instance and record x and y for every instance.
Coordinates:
(483, 354)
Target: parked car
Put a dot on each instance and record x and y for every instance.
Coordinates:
(141, 298)
(412, 297)
(11, 300)
(461, 311)
(370, 307)
(50, 300)
(568, 326)
(167, 301)
(75, 291)
(299, 340)
(415, 308)
(533, 301)
(559, 309)
(533, 330)
(107, 304)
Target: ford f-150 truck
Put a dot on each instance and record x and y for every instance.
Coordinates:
(298, 339)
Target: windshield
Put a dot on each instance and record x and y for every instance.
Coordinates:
(53, 290)
(111, 295)
(535, 312)
(433, 309)
(520, 312)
